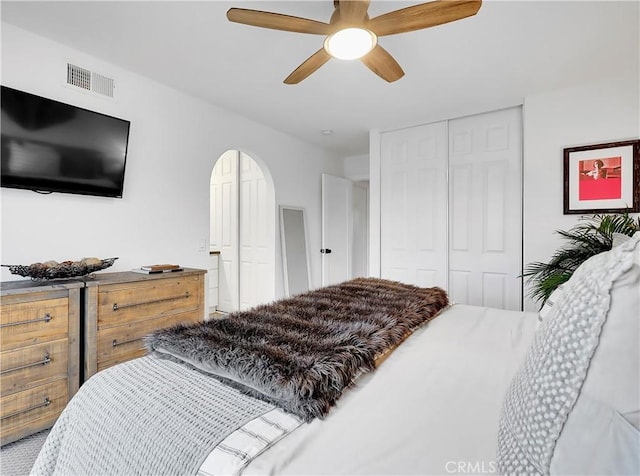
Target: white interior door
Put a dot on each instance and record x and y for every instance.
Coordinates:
(256, 236)
(336, 229)
(224, 233)
(413, 215)
(243, 231)
(485, 211)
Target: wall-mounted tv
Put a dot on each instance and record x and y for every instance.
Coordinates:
(49, 146)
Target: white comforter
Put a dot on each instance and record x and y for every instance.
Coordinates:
(431, 408)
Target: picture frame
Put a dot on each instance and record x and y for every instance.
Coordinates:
(602, 178)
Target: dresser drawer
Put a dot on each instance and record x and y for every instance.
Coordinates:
(128, 302)
(122, 343)
(26, 323)
(32, 366)
(124, 307)
(32, 410)
(39, 353)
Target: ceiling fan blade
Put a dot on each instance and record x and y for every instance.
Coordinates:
(424, 15)
(309, 66)
(382, 63)
(277, 21)
(353, 11)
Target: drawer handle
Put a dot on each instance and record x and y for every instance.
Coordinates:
(47, 318)
(115, 342)
(117, 307)
(44, 361)
(45, 403)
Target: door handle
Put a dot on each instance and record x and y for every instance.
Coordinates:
(325, 250)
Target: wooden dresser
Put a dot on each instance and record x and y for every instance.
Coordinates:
(39, 357)
(122, 308)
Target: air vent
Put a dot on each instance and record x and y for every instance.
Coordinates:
(77, 76)
(102, 85)
(85, 79)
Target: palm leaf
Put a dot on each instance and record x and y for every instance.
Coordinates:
(592, 236)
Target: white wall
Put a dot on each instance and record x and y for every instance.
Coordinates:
(356, 168)
(598, 112)
(174, 141)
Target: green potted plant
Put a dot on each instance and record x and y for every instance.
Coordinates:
(593, 235)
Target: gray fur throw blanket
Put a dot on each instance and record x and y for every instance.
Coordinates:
(301, 353)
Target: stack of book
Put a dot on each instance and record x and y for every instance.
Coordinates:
(158, 268)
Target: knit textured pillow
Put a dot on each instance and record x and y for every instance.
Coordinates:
(545, 389)
(551, 303)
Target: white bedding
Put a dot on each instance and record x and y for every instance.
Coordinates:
(432, 407)
(458, 368)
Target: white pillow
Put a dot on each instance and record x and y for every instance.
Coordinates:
(551, 303)
(618, 238)
(580, 381)
(558, 293)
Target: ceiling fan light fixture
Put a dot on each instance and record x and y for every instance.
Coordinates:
(351, 33)
(350, 43)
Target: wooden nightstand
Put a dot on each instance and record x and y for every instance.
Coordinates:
(39, 358)
(122, 308)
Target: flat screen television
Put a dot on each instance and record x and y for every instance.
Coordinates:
(49, 146)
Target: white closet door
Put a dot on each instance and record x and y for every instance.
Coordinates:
(225, 183)
(256, 263)
(414, 205)
(485, 209)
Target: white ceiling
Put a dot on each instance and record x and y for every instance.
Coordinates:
(509, 50)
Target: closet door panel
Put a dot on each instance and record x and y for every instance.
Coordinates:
(494, 289)
(461, 214)
(495, 187)
(398, 229)
(426, 233)
(459, 286)
(399, 219)
(486, 208)
(413, 205)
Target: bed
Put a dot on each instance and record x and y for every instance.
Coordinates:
(466, 390)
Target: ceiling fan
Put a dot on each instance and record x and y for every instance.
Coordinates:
(350, 27)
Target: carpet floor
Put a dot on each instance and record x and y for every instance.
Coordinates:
(17, 458)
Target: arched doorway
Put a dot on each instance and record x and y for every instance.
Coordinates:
(242, 230)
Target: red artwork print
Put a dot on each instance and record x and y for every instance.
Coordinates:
(600, 179)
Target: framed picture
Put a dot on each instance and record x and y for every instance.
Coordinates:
(602, 178)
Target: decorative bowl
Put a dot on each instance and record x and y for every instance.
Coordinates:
(66, 269)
